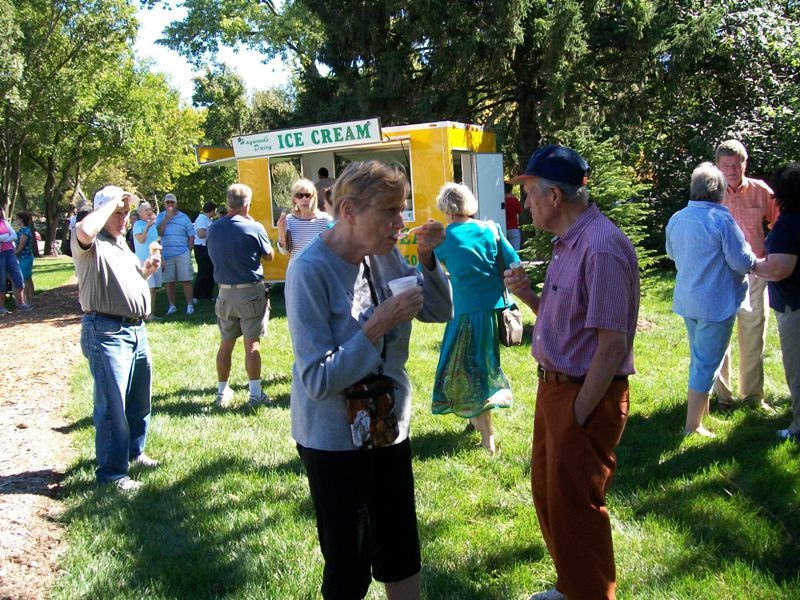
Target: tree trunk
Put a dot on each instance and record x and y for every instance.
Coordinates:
(50, 206)
(11, 173)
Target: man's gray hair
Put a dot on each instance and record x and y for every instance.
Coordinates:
(572, 193)
(708, 183)
(238, 196)
(731, 148)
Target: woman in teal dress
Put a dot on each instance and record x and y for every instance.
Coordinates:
(469, 381)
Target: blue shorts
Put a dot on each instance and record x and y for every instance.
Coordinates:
(708, 341)
(26, 266)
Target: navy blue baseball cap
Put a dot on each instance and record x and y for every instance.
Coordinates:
(556, 163)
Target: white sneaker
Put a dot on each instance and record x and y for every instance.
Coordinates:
(553, 594)
(3, 310)
(254, 401)
(126, 484)
(224, 399)
(171, 310)
(24, 307)
(190, 309)
(146, 461)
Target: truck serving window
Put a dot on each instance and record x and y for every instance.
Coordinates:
(396, 156)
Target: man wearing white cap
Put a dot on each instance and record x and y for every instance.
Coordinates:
(177, 237)
(115, 298)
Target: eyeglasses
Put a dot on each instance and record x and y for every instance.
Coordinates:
(303, 195)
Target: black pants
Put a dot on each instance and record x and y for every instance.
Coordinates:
(204, 283)
(366, 519)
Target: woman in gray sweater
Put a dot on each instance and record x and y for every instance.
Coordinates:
(346, 325)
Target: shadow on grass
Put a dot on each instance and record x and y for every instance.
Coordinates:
(174, 404)
(43, 267)
(178, 539)
(719, 490)
(433, 445)
(443, 583)
(81, 423)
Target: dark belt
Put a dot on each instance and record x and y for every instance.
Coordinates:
(123, 320)
(556, 377)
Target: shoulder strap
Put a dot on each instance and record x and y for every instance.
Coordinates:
(501, 264)
(373, 294)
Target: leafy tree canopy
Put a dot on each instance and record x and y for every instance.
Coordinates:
(663, 81)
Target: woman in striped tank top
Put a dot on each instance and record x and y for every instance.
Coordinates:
(306, 222)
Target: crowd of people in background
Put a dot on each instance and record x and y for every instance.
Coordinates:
(350, 323)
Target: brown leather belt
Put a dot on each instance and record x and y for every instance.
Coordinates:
(556, 377)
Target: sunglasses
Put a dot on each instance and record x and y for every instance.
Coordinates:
(303, 195)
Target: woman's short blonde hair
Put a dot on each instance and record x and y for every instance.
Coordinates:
(307, 186)
(369, 183)
(456, 199)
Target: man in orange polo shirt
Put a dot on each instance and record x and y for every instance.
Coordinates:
(752, 204)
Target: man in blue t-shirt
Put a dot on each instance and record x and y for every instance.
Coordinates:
(236, 244)
(177, 239)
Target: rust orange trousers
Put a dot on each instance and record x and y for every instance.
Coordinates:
(571, 469)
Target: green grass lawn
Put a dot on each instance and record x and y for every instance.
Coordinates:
(229, 515)
(51, 272)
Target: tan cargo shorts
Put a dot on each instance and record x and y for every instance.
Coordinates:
(243, 310)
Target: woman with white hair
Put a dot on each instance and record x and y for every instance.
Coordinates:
(469, 381)
(713, 260)
(306, 222)
(144, 234)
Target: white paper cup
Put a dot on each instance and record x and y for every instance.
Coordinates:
(401, 284)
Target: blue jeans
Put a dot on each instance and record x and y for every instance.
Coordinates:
(119, 359)
(707, 343)
(9, 267)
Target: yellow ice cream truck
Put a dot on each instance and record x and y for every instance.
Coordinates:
(432, 154)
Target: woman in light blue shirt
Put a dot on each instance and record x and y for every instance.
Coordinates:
(712, 259)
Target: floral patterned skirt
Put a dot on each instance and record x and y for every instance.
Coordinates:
(469, 379)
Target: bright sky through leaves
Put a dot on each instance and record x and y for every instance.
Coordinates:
(256, 75)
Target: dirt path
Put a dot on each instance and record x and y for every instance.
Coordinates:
(40, 350)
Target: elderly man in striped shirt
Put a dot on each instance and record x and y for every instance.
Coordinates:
(177, 238)
(583, 342)
(752, 205)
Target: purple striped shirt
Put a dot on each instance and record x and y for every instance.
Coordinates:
(592, 283)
